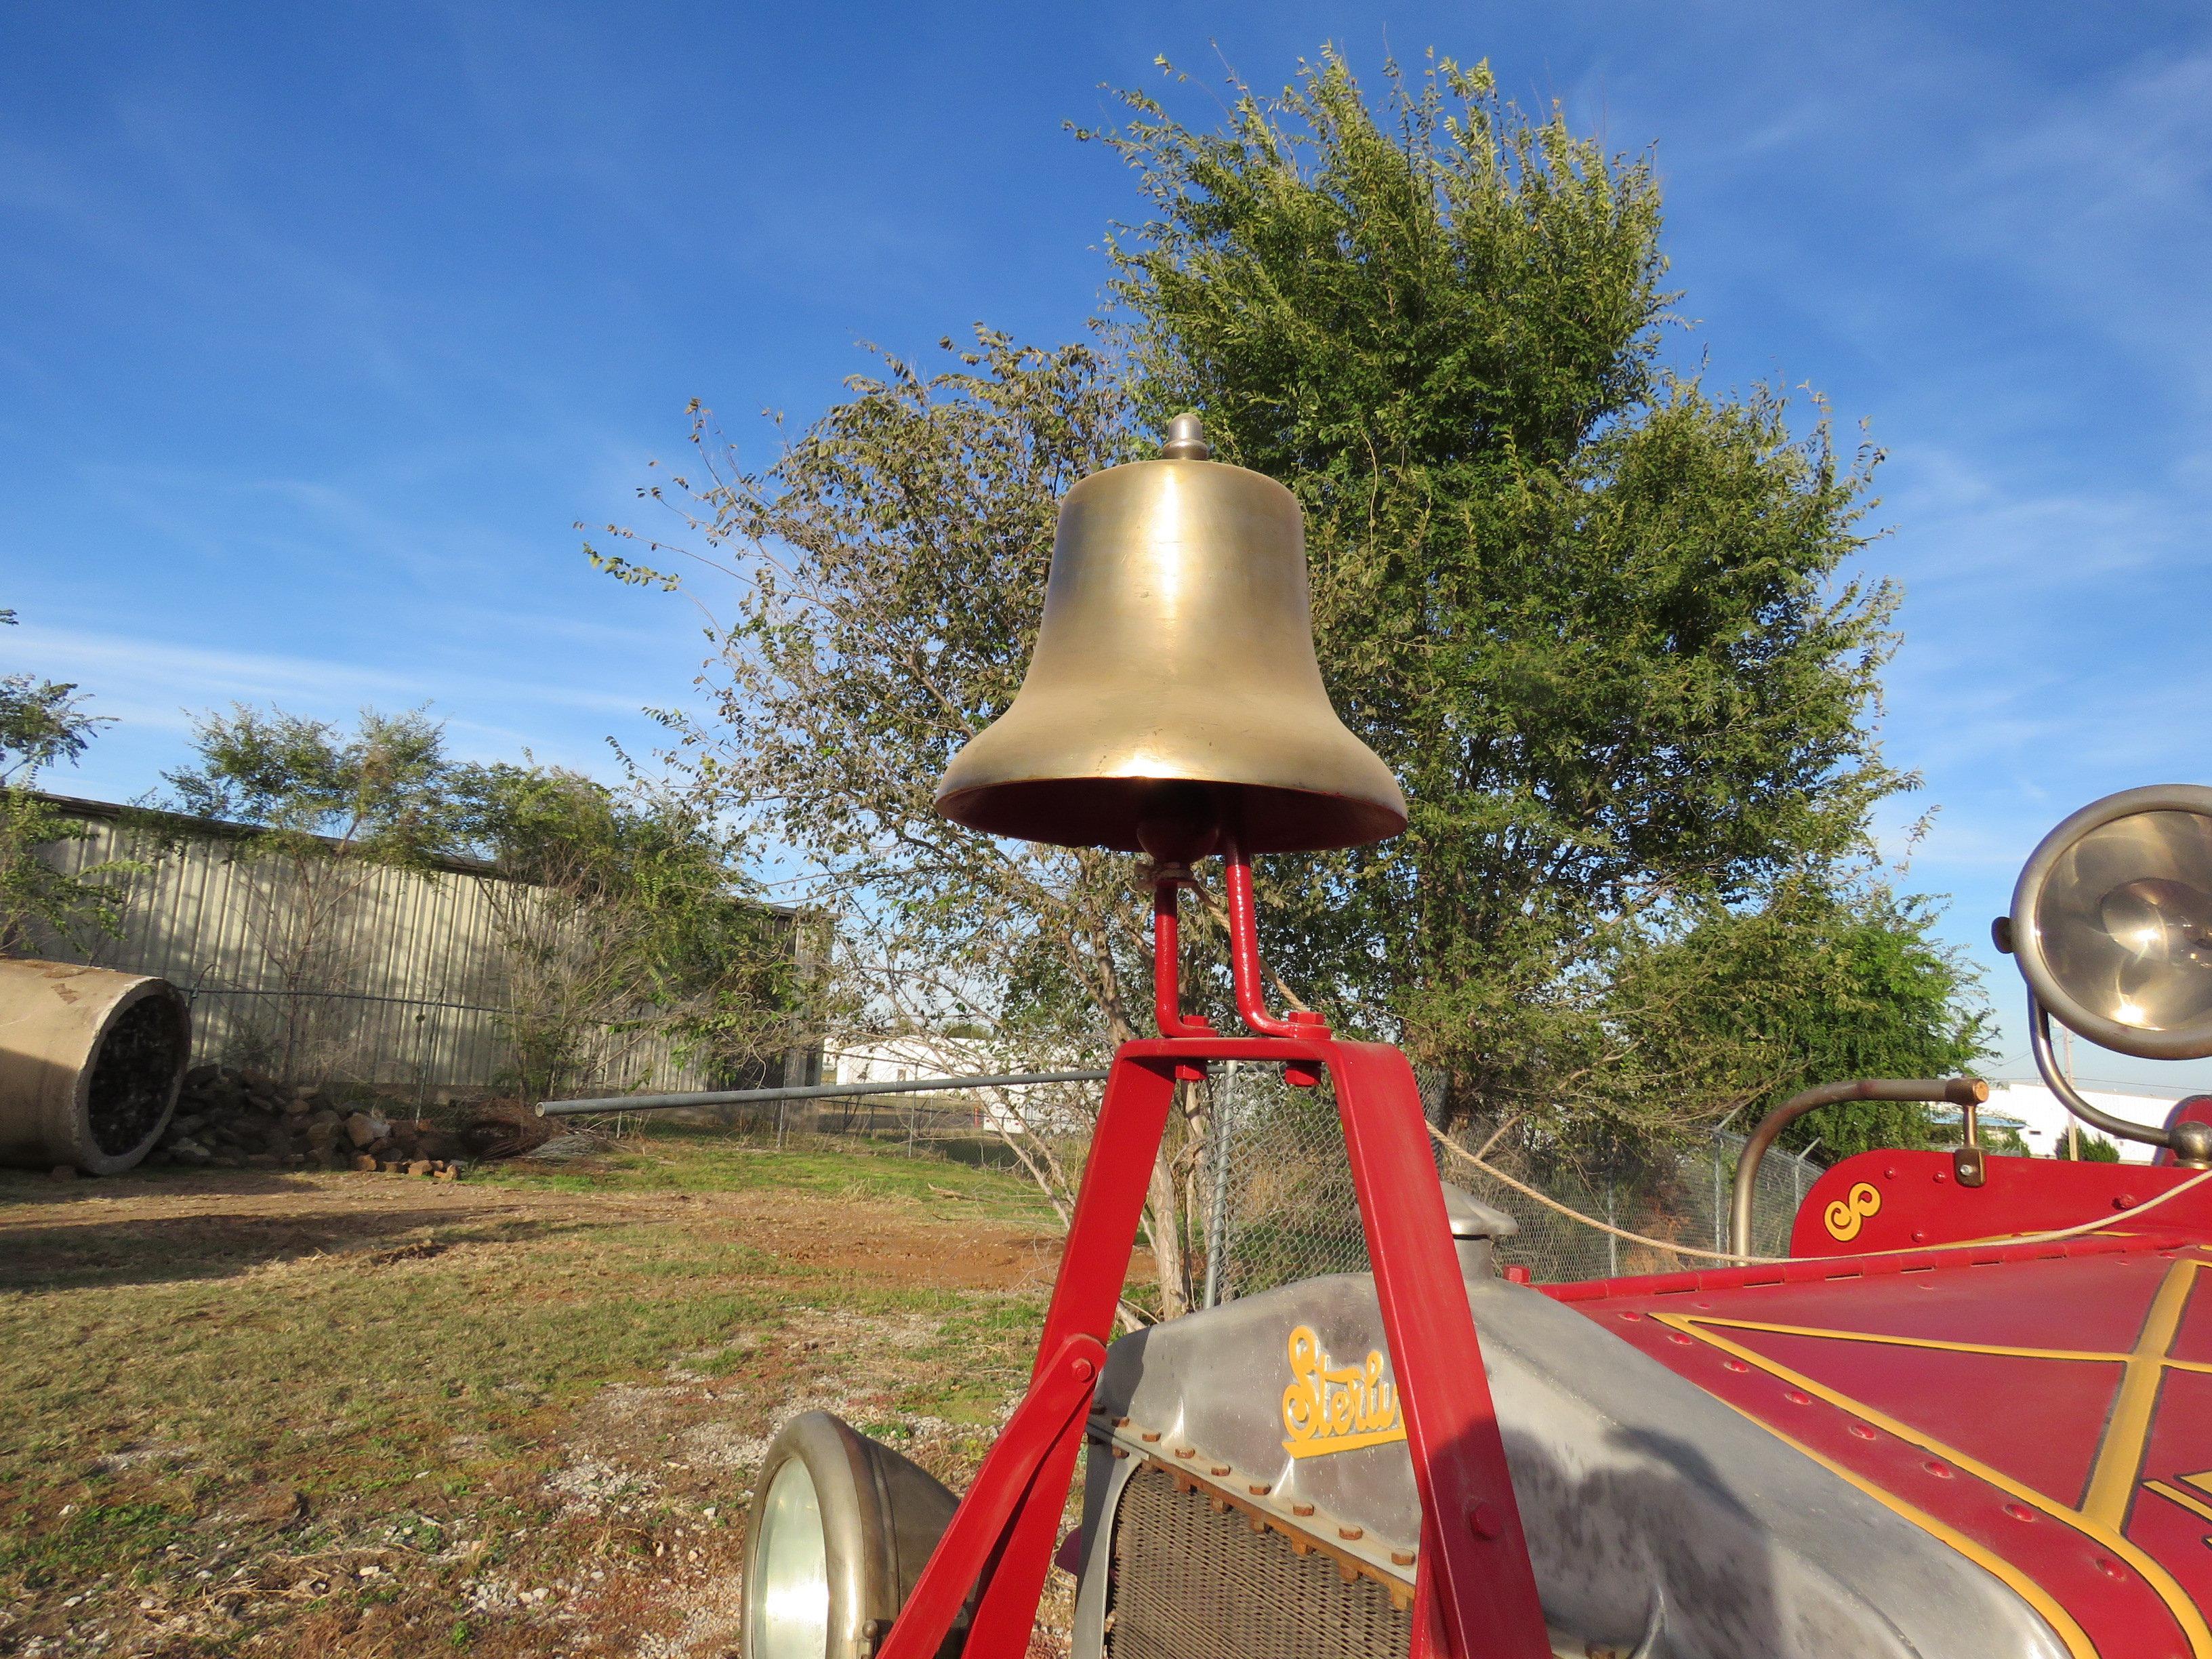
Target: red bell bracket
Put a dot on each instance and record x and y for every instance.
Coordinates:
(1167, 883)
(1476, 1590)
(1245, 972)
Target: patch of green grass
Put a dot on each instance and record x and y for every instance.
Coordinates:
(95, 1538)
(682, 1157)
(334, 1375)
(415, 1378)
(980, 1354)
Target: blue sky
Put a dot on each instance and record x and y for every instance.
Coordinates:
(320, 326)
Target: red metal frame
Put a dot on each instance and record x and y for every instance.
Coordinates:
(1245, 948)
(1476, 1589)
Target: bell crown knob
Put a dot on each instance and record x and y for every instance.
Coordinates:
(1185, 440)
(1173, 693)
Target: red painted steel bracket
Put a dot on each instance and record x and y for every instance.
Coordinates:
(1052, 1412)
(1476, 1589)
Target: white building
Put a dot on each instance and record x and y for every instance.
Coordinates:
(1050, 1108)
(920, 1054)
(2045, 1119)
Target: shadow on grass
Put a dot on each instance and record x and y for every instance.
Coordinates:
(166, 1249)
(22, 1192)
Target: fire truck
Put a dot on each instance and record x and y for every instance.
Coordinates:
(1968, 1416)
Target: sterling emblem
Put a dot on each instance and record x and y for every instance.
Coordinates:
(1329, 1409)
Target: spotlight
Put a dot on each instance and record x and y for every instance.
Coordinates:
(2111, 925)
(2112, 921)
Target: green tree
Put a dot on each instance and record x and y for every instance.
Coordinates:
(1744, 1008)
(876, 590)
(43, 722)
(622, 920)
(330, 809)
(382, 791)
(2095, 1149)
(1588, 610)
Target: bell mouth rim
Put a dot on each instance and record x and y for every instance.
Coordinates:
(1105, 812)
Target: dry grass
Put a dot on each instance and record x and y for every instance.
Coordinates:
(366, 1415)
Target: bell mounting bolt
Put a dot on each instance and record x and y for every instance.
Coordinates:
(1174, 706)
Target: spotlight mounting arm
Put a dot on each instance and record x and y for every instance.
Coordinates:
(2190, 1143)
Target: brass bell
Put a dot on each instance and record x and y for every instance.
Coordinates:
(1174, 696)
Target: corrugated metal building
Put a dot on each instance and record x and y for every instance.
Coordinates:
(382, 975)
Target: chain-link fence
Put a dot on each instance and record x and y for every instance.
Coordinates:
(989, 1127)
(958, 1128)
(1269, 1196)
(1280, 1204)
(1679, 1196)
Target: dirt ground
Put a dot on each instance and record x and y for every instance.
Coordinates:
(362, 1414)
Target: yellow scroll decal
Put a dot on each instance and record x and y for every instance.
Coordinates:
(1326, 1409)
(1847, 1215)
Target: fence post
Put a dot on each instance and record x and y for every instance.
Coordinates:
(1612, 1242)
(1720, 1205)
(1217, 1223)
(422, 1060)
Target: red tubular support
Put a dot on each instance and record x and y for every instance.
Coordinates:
(1244, 946)
(1167, 961)
(1476, 1575)
(1033, 1450)
(1475, 1589)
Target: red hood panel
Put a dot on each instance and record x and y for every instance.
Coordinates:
(2048, 1415)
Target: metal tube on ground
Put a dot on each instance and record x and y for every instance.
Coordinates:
(814, 1091)
(90, 1064)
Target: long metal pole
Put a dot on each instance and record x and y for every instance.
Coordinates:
(814, 1091)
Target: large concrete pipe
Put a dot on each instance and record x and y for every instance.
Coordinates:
(90, 1063)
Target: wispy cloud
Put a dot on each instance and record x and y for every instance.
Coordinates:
(2100, 200)
(151, 680)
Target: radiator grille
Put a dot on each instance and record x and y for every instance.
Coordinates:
(1188, 1584)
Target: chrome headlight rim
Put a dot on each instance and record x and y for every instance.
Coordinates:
(788, 1602)
(2190, 1041)
(880, 1515)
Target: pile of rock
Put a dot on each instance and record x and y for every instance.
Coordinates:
(235, 1119)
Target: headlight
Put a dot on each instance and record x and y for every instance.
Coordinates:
(788, 1594)
(2111, 922)
(842, 1528)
